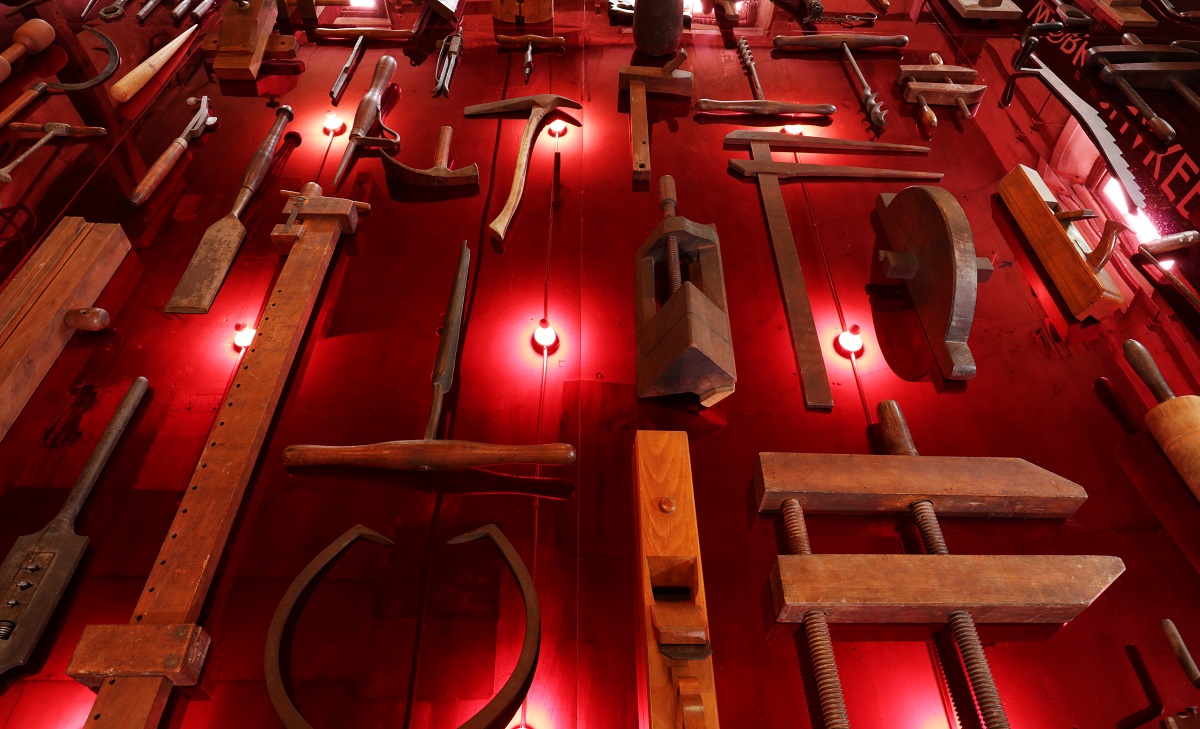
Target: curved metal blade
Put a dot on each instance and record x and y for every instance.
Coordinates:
(114, 60)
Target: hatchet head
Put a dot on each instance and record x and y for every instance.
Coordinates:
(547, 102)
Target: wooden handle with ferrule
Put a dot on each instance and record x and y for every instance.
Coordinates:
(537, 41)
(256, 171)
(368, 108)
(25, 99)
(355, 33)
(158, 172)
(896, 437)
(1143, 364)
(428, 455)
(750, 106)
(836, 40)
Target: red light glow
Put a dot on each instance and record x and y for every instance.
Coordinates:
(849, 343)
(793, 129)
(244, 336)
(334, 124)
(558, 128)
(544, 337)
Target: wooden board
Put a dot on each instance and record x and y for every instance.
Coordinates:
(923, 588)
(178, 582)
(1120, 16)
(974, 10)
(522, 11)
(243, 40)
(826, 483)
(78, 260)
(1059, 247)
(669, 557)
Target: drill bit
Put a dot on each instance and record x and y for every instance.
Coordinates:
(870, 100)
(747, 57)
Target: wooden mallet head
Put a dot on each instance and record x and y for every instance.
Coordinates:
(34, 36)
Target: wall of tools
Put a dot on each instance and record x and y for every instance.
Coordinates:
(558, 365)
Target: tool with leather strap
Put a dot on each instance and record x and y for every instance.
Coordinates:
(760, 104)
(210, 263)
(135, 665)
(38, 569)
(431, 454)
(201, 121)
(44, 87)
(502, 707)
(803, 326)
(367, 115)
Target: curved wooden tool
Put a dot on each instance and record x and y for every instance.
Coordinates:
(43, 87)
(934, 252)
(440, 175)
(538, 107)
(641, 80)
(1174, 422)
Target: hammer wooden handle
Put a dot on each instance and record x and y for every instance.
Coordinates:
(428, 455)
(370, 33)
(1172, 242)
(25, 99)
(836, 40)
(1143, 364)
(537, 41)
(765, 107)
(499, 226)
(158, 172)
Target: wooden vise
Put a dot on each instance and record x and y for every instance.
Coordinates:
(640, 80)
(685, 344)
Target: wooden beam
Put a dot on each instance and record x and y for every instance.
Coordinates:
(956, 486)
(922, 588)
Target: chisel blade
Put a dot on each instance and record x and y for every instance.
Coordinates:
(210, 263)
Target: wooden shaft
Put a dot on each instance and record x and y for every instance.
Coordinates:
(834, 41)
(91, 319)
(368, 108)
(537, 41)
(26, 98)
(765, 107)
(158, 172)
(896, 436)
(1143, 364)
(261, 161)
(441, 155)
(428, 455)
(639, 130)
(135, 80)
(355, 33)
(666, 195)
(499, 226)
(1180, 649)
(927, 113)
(1173, 242)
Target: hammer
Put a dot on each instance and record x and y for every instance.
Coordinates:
(440, 175)
(539, 106)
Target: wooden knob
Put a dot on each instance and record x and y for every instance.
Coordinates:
(896, 437)
(666, 195)
(89, 320)
(935, 59)
(1143, 364)
(34, 36)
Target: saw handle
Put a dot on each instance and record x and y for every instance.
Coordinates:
(537, 41)
(1143, 364)
(896, 437)
(26, 98)
(372, 101)
(256, 171)
(158, 172)
(834, 41)
(428, 455)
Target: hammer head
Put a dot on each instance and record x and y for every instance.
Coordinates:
(440, 176)
(549, 102)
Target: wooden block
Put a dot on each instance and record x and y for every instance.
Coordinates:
(956, 486)
(936, 73)
(245, 33)
(669, 561)
(279, 47)
(35, 332)
(1058, 246)
(923, 588)
(943, 94)
(1129, 16)
(682, 623)
(175, 652)
(656, 81)
(1175, 425)
(976, 10)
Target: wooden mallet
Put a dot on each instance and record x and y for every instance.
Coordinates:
(1174, 422)
(34, 36)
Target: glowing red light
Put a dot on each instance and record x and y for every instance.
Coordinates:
(334, 124)
(544, 336)
(244, 336)
(793, 129)
(558, 128)
(849, 343)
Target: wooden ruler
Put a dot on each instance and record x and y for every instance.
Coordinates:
(807, 345)
(135, 665)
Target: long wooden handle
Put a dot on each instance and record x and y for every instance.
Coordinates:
(1143, 364)
(537, 41)
(158, 172)
(765, 107)
(136, 79)
(1172, 242)
(25, 99)
(441, 154)
(355, 33)
(428, 455)
(837, 40)
(261, 161)
(499, 226)
(368, 108)
(896, 437)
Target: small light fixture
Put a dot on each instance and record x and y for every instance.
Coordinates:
(334, 124)
(558, 128)
(1168, 264)
(545, 339)
(243, 337)
(793, 129)
(849, 343)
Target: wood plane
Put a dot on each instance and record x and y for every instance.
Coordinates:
(1121, 13)
(987, 10)
(934, 252)
(685, 344)
(66, 272)
(675, 669)
(245, 35)
(639, 81)
(1076, 270)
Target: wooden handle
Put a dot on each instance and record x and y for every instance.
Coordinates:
(896, 437)
(89, 320)
(428, 455)
(158, 172)
(499, 226)
(1173, 242)
(689, 704)
(537, 41)
(1103, 251)
(441, 155)
(675, 62)
(34, 36)
(371, 33)
(25, 99)
(368, 107)
(666, 195)
(1143, 364)
(261, 161)
(836, 40)
(749, 106)
(136, 79)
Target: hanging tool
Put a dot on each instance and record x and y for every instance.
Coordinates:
(32, 36)
(529, 42)
(941, 85)
(200, 122)
(180, 11)
(760, 104)
(368, 114)
(538, 106)
(1099, 56)
(113, 12)
(144, 12)
(1166, 244)
(642, 80)
(440, 175)
(343, 77)
(213, 257)
(39, 567)
(44, 87)
(52, 130)
(1174, 422)
(447, 61)
(430, 453)
(87, 9)
(131, 663)
(1135, 64)
(136, 80)
(870, 100)
(1188, 15)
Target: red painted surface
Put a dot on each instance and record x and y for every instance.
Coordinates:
(363, 377)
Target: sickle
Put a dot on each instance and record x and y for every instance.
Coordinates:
(28, 96)
(503, 706)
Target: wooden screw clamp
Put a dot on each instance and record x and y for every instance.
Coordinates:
(940, 85)
(685, 344)
(640, 80)
(136, 664)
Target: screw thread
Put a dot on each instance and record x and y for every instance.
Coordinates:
(931, 531)
(829, 685)
(673, 271)
(6, 629)
(797, 532)
(978, 671)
